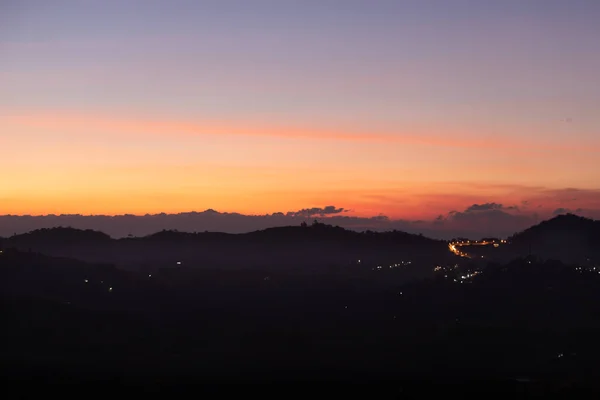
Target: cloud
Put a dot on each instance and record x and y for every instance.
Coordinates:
(487, 219)
(490, 206)
(476, 220)
(211, 220)
(484, 207)
(116, 126)
(316, 211)
(440, 218)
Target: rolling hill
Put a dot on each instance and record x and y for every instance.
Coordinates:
(569, 238)
(295, 246)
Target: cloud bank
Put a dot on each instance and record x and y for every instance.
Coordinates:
(476, 220)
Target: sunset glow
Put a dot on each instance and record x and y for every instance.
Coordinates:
(279, 109)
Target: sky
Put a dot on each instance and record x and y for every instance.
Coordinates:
(414, 110)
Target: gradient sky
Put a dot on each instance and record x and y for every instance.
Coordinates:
(411, 109)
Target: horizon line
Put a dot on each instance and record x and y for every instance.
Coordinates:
(357, 230)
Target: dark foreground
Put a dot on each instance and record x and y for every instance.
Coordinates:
(521, 328)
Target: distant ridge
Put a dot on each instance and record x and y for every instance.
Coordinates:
(317, 231)
(126, 225)
(305, 245)
(62, 234)
(566, 237)
(570, 223)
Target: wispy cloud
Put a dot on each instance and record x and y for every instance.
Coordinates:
(112, 125)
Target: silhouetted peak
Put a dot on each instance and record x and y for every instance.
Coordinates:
(567, 237)
(64, 234)
(570, 219)
(562, 223)
(322, 231)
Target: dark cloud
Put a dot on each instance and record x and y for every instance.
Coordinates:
(209, 220)
(477, 220)
(488, 219)
(489, 207)
(484, 207)
(316, 211)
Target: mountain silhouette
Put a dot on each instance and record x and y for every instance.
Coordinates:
(63, 234)
(304, 246)
(567, 237)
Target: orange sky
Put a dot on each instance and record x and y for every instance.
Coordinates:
(75, 162)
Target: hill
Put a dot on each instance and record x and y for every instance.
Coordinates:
(570, 238)
(313, 246)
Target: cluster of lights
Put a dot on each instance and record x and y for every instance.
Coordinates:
(467, 276)
(402, 263)
(453, 246)
(440, 268)
(592, 269)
